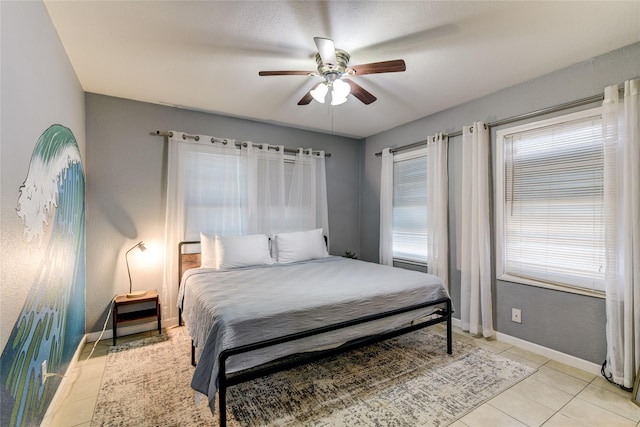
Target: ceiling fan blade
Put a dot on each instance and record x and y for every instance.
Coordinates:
(307, 98)
(285, 73)
(361, 93)
(393, 66)
(327, 50)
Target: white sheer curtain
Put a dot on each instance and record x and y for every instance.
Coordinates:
(476, 310)
(307, 204)
(202, 183)
(215, 188)
(265, 189)
(621, 121)
(386, 208)
(437, 207)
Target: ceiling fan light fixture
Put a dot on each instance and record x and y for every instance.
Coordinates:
(339, 92)
(320, 92)
(337, 100)
(333, 64)
(341, 89)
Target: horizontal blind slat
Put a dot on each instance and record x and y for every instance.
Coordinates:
(410, 240)
(554, 216)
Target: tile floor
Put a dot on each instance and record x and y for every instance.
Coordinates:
(556, 395)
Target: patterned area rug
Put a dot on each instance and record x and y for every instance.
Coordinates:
(406, 381)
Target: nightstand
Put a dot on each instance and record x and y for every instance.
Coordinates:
(140, 308)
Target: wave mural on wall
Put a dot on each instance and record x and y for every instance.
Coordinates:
(52, 321)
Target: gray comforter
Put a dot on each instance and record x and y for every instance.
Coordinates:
(225, 309)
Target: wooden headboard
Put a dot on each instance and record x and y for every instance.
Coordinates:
(187, 260)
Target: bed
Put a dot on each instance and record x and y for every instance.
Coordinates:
(249, 319)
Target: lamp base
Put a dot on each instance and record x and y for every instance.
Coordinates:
(136, 294)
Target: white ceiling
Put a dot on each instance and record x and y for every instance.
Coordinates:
(205, 55)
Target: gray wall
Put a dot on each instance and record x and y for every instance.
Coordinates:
(569, 323)
(126, 187)
(39, 88)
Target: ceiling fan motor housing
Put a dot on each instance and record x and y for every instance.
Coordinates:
(332, 72)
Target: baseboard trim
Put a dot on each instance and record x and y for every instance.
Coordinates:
(62, 387)
(550, 353)
(567, 359)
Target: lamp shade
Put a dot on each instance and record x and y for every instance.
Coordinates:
(337, 100)
(340, 91)
(341, 88)
(320, 92)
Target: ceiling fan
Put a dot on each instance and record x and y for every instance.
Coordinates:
(333, 66)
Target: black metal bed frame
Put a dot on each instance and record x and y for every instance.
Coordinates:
(227, 380)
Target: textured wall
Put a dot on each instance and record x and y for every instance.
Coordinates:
(582, 318)
(126, 183)
(37, 277)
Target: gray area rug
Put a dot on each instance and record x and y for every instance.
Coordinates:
(406, 381)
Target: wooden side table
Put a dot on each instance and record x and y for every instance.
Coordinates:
(140, 308)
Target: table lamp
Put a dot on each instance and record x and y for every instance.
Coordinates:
(135, 294)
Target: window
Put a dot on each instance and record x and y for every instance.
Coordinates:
(550, 210)
(212, 180)
(409, 226)
(216, 191)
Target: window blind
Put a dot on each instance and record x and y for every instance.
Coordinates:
(410, 208)
(553, 210)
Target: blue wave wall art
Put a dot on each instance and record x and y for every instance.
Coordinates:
(52, 322)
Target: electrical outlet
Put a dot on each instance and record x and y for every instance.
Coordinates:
(516, 315)
(44, 371)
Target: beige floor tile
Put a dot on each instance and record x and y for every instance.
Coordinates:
(487, 415)
(542, 393)
(534, 357)
(87, 372)
(100, 350)
(586, 414)
(462, 337)
(561, 420)
(74, 413)
(521, 359)
(574, 372)
(500, 344)
(83, 389)
(560, 380)
(94, 362)
(601, 382)
(458, 424)
(522, 408)
(614, 402)
(491, 346)
(465, 334)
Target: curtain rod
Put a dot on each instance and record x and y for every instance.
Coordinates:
(541, 112)
(225, 141)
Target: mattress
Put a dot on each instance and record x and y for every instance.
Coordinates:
(224, 309)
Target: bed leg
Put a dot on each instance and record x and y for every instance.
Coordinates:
(222, 401)
(193, 354)
(449, 326)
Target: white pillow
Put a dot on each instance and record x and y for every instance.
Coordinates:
(242, 251)
(300, 246)
(208, 258)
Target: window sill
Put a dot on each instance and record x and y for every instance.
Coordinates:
(410, 262)
(553, 286)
